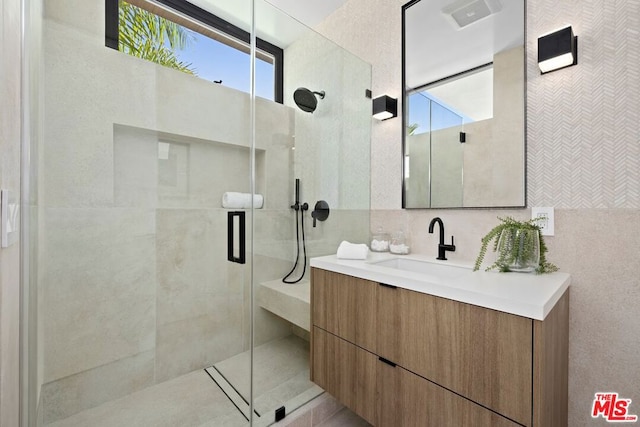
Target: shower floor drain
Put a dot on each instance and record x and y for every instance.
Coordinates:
(230, 391)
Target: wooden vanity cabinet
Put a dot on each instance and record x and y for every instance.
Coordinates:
(423, 360)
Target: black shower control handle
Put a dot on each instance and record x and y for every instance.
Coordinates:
(320, 211)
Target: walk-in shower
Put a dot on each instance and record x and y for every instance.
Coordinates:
(137, 314)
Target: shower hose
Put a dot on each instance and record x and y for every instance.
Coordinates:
(299, 224)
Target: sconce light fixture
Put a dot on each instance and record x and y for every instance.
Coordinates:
(385, 107)
(557, 50)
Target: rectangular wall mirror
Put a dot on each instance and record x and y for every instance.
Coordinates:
(464, 103)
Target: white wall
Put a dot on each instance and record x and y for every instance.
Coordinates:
(583, 152)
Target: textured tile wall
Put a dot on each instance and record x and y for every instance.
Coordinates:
(583, 155)
(583, 136)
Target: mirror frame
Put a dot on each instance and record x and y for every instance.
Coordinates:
(405, 118)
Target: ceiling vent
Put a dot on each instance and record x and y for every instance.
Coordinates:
(465, 12)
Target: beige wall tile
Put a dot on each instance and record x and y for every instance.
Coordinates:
(200, 341)
(268, 326)
(332, 144)
(200, 299)
(75, 393)
(99, 289)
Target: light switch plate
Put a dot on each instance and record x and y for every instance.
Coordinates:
(10, 217)
(545, 220)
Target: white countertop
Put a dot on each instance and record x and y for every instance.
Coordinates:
(523, 294)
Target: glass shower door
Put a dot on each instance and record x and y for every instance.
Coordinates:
(434, 153)
(302, 157)
(136, 295)
(446, 157)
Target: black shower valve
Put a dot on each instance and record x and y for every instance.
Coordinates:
(320, 211)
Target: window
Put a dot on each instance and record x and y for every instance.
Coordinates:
(180, 35)
(463, 98)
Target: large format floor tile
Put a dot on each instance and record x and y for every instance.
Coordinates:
(345, 418)
(281, 378)
(192, 400)
(281, 372)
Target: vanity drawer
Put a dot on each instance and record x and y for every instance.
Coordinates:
(345, 306)
(482, 354)
(390, 396)
(345, 371)
(407, 400)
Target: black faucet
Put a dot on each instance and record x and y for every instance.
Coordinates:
(442, 248)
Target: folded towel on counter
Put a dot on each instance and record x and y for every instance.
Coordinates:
(348, 250)
(231, 200)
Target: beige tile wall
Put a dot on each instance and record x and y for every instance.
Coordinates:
(332, 147)
(583, 153)
(498, 179)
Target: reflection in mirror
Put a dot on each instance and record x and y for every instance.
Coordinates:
(463, 81)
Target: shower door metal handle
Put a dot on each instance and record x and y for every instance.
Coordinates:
(232, 219)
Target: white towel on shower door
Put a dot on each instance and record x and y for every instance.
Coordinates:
(233, 200)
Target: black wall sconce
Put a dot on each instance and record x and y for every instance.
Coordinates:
(385, 107)
(557, 50)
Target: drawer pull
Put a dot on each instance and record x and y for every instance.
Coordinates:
(388, 286)
(388, 362)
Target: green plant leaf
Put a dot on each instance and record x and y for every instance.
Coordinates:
(145, 35)
(521, 246)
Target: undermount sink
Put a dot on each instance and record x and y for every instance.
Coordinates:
(423, 267)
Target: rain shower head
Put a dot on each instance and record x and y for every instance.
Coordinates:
(306, 100)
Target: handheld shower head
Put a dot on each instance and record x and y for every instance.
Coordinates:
(306, 100)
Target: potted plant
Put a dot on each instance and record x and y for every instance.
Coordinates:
(519, 247)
